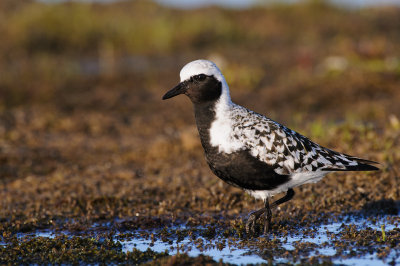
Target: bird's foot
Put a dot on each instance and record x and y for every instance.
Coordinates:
(251, 221)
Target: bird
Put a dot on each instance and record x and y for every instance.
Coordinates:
(251, 151)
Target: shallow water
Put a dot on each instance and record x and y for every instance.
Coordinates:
(233, 254)
(320, 243)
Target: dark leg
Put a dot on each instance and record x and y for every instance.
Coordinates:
(268, 216)
(253, 217)
(289, 195)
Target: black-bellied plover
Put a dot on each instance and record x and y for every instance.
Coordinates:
(251, 151)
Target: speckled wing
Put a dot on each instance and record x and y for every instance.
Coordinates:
(286, 150)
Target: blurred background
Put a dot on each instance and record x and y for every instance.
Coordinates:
(83, 130)
(119, 56)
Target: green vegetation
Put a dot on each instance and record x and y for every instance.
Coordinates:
(47, 50)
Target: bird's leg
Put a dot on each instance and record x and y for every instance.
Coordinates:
(251, 221)
(289, 195)
(268, 214)
(268, 217)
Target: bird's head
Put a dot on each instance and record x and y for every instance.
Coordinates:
(201, 81)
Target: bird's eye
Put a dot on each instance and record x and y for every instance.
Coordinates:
(200, 77)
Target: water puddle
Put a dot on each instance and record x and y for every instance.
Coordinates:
(218, 249)
(326, 242)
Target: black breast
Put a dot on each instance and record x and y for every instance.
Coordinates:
(238, 168)
(243, 170)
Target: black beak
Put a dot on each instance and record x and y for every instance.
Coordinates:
(178, 89)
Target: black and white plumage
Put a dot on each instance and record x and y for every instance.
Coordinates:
(249, 150)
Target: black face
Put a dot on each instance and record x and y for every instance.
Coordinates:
(199, 88)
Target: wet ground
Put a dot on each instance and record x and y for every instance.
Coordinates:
(340, 240)
(96, 168)
(95, 207)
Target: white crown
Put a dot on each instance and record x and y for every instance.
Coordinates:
(201, 67)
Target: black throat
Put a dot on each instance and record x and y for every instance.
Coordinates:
(204, 95)
(205, 115)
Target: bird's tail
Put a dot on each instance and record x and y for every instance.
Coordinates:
(361, 165)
